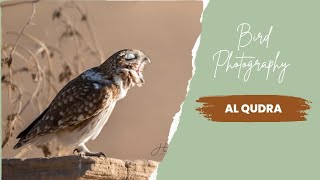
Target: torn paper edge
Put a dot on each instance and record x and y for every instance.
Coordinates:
(176, 118)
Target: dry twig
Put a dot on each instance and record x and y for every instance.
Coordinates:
(12, 118)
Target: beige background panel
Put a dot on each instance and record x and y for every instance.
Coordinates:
(165, 31)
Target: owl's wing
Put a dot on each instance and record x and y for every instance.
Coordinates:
(80, 100)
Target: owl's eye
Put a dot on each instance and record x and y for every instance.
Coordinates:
(129, 56)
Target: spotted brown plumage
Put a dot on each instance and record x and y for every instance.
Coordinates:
(82, 107)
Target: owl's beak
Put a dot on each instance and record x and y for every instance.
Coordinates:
(139, 71)
(146, 60)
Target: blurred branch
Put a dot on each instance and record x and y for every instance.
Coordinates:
(94, 41)
(22, 30)
(84, 18)
(39, 72)
(45, 49)
(3, 5)
(12, 118)
(17, 40)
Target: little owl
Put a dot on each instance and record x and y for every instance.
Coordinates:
(83, 106)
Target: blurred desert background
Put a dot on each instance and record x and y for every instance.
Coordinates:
(65, 38)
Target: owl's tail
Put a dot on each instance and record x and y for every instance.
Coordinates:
(20, 144)
(24, 134)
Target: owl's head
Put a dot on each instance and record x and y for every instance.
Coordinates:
(131, 62)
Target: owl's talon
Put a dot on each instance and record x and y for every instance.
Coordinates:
(96, 154)
(88, 153)
(102, 154)
(76, 150)
(79, 153)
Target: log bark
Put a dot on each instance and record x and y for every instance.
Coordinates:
(76, 167)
